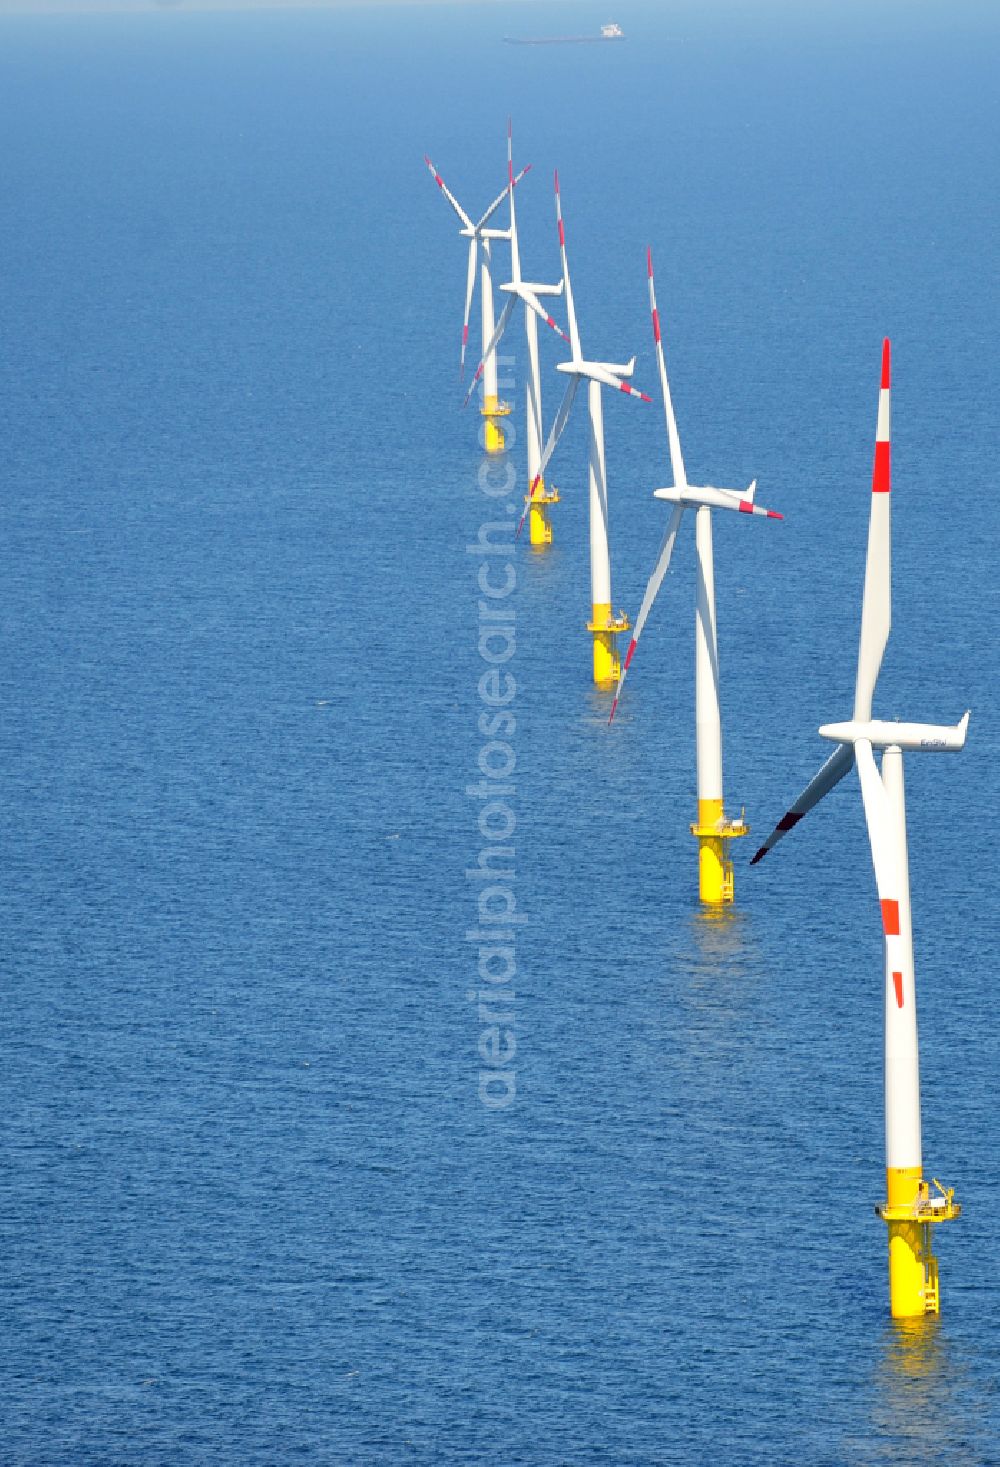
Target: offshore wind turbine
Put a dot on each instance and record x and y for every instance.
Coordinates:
(528, 292)
(713, 830)
(480, 238)
(604, 625)
(910, 1209)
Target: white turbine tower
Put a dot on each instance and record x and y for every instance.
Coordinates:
(480, 237)
(715, 870)
(528, 293)
(604, 625)
(910, 1208)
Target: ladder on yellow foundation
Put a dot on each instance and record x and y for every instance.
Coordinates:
(932, 1293)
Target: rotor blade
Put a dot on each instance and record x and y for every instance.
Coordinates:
(448, 194)
(531, 302)
(500, 197)
(554, 436)
(746, 504)
(611, 379)
(470, 286)
(574, 334)
(876, 608)
(673, 437)
(831, 774)
(515, 253)
(885, 848)
(655, 581)
(501, 327)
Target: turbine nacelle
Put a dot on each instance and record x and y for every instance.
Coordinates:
(882, 734)
(473, 232)
(534, 288)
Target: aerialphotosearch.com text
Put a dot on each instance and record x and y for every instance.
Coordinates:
(498, 921)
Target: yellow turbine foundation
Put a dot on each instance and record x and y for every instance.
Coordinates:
(491, 410)
(909, 1213)
(715, 869)
(539, 525)
(604, 627)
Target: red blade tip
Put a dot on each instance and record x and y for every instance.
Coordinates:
(886, 361)
(649, 262)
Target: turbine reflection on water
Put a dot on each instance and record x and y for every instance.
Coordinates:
(915, 1381)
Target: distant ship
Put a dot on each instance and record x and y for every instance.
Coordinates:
(609, 32)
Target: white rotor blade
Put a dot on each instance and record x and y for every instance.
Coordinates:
(673, 437)
(515, 253)
(448, 194)
(695, 494)
(500, 197)
(655, 582)
(607, 378)
(501, 327)
(557, 429)
(574, 334)
(533, 305)
(831, 774)
(886, 847)
(470, 285)
(876, 608)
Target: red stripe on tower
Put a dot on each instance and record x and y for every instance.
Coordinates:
(890, 917)
(897, 983)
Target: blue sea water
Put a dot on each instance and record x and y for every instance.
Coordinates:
(253, 1210)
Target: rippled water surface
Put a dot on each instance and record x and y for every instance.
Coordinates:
(253, 1210)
